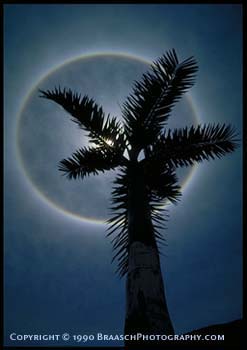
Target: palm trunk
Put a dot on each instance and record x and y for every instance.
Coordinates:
(146, 309)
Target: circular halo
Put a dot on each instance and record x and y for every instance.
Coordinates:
(40, 194)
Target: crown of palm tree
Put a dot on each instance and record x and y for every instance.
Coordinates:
(118, 144)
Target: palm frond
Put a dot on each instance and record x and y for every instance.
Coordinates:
(87, 161)
(88, 116)
(184, 147)
(147, 109)
(118, 223)
(156, 195)
(161, 182)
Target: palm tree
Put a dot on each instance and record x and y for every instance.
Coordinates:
(146, 156)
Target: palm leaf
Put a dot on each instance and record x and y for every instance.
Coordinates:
(156, 194)
(184, 147)
(147, 109)
(161, 182)
(89, 116)
(118, 223)
(89, 161)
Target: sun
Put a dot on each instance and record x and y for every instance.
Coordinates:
(109, 142)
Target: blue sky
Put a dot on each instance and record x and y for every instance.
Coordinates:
(58, 275)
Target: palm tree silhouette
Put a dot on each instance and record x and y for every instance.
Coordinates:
(146, 155)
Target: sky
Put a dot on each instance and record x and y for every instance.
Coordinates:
(57, 272)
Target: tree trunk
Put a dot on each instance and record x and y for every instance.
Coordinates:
(146, 308)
